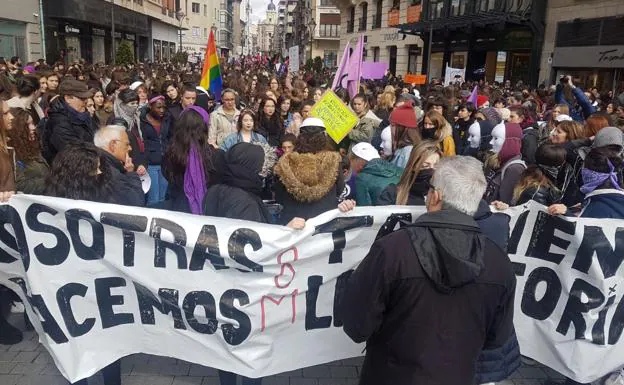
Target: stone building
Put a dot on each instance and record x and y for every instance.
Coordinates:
(19, 30)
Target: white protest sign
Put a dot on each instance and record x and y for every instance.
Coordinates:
(108, 281)
(454, 75)
(293, 59)
(258, 299)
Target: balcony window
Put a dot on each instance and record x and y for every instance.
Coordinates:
(377, 20)
(458, 7)
(436, 8)
(329, 30)
(351, 21)
(195, 7)
(364, 18)
(195, 31)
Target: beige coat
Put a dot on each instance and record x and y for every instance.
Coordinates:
(221, 125)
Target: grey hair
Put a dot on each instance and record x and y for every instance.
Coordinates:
(461, 182)
(107, 134)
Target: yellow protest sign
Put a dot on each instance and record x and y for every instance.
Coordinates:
(339, 119)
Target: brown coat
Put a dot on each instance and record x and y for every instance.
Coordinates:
(7, 170)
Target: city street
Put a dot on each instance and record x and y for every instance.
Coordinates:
(28, 363)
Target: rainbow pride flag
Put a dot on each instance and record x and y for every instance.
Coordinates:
(211, 73)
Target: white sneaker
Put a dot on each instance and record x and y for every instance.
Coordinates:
(616, 378)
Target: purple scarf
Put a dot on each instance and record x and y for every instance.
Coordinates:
(594, 179)
(195, 181)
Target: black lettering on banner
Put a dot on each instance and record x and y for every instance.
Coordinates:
(236, 247)
(206, 301)
(106, 301)
(388, 227)
(516, 233)
(97, 248)
(21, 283)
(574, 309)
(235, 335)
(598, 332)
(341, 286)
(179, 241)
(543, 308)
(617, 324)
(48, 323)
(595, 241)
(311, 320)
(63, 298)
(168, 303)
(544, 236)
(207, 248)
(338, 227)
(129, 224)
(8, 215)
(51, 256)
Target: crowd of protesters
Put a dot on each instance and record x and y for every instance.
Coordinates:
(147, 135)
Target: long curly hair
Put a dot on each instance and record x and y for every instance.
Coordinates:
(74, 175)
(25, 149)
(190, 129)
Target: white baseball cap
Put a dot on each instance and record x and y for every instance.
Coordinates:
(563, 118)
(135, 85)
(365, 151)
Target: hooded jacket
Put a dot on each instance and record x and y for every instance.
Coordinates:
(238, 194)
(62, 128)
(373, 179)
(155, 141)
(428, 299)
(308, 184)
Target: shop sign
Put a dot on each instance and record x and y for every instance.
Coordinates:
(611, 56)
(70, 29)
(98, 32)
(393, 36)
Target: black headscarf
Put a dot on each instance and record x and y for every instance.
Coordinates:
(242, 167)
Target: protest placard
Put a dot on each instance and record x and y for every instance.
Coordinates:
(338, 118)
(415, 79)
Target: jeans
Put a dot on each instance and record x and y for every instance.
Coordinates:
(158, 189)
(227, 378)
(111, 373)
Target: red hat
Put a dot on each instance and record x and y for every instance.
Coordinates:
(481, 100)
(404, 115)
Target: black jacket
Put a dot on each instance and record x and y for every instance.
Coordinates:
(127, 189)
(155, 143)
(542, 195)
(417, 192)
(495, 226)
(530, 142)
(428, 299)
(308, 185)
(460, 134)
(63, 128)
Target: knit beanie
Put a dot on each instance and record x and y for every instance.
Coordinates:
(404, 115)
(481, 100)
(513, 143)
(492, 115)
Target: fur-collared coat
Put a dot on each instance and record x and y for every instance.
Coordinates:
(308, 184)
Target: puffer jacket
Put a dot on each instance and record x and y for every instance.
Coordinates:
(221, 125)
(373, 179)
(428, 299)
(308, 184)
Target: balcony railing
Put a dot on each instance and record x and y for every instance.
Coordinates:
(350, 26)
(440, 9)
(362, 24)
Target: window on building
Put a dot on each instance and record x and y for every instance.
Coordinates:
(195, 31)
(205, 32)
(436, 8)
(351, 21)
(195, 7)
(205, 10)
(412, 59)
(379, 10)
(396, 4)
(375, 54)
(330, 58)
(364, 18)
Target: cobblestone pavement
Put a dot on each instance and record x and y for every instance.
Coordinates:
(28, 363)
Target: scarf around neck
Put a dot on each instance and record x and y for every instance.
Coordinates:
(195, 181)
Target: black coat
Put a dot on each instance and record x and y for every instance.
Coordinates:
(460, 134)
(63, 128)
(127, 187)
(235, 203)
(155, 143)
(428, 299)
(495, 226)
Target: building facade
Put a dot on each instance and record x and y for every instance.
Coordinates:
(267, 30)
(490, 39)
(585, 40)
(76, 29)
(20, 30)
(225, 28)
(378, 21)
(327, 32)
(200, 17)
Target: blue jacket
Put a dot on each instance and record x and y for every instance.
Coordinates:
(236, 138)
(495, 226)
(604, 203)
(155, 143)
(586, 108)
(373, 179)
(498, 364)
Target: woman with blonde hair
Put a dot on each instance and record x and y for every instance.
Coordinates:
(438, 130)
(414, 183)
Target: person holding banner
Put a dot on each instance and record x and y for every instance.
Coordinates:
(428, 298)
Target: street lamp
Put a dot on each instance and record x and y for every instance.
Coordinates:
(180, 16)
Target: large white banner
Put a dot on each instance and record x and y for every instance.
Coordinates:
(107, 281)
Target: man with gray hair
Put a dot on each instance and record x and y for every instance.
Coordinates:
(115, 146)
(428, 298)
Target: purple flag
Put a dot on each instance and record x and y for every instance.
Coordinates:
(355, 68)
(342, 68)
(473, 96)
(374, 70)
